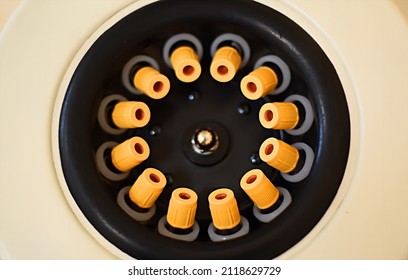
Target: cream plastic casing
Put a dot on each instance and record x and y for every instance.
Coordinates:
(368, 219)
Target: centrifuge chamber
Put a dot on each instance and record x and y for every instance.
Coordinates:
(60, 59)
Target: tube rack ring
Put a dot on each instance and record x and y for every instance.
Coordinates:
(102, 114)
(218, 237)
(286, 76)
(266, 218)
(243, 44)
(161, 226)
(178, 38)
(101, 164)
(309, 116)
(307, 166)
(138, 216)
(128, 68)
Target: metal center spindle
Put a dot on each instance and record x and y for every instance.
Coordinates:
(205, 141)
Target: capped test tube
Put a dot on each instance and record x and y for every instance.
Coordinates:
(130, 153)
(182, 208)
(279, 115)
(259, 83)
(225, 64)
(259, 189)
(151, 82)
(147, 188)
(186, 64)
(224, 209)
(130, 114)
(279, 154)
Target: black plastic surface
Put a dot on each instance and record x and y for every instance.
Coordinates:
(144, 32)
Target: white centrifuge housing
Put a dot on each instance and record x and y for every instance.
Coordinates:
(343, 62)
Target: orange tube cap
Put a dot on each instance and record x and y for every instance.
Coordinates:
(151, 82)
(279, 115)
(225, 64)
(279, 155)
(182, 208)
(224, 209)
(259, 83)
(186, 64)
(259, 188)
(130, 153)
(147, 188)
(131, 114)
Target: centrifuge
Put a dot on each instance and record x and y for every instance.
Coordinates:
(204, 130)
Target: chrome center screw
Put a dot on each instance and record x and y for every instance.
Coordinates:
(205, 141)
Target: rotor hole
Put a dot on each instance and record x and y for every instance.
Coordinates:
(269, 149)
(139, 148)
(251, 87)
(268, 115)
(184, 196)
(251, 179)
(154, 178)
(221, 196)
(139, 114)
(222, 70)
(158, 86)
(188, 70)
